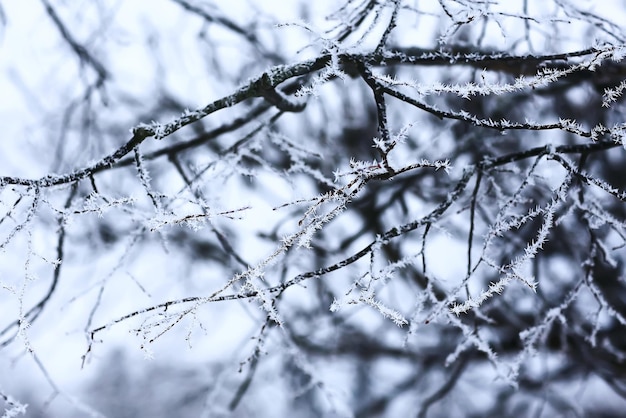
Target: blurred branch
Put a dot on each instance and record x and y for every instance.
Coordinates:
(80, 51)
